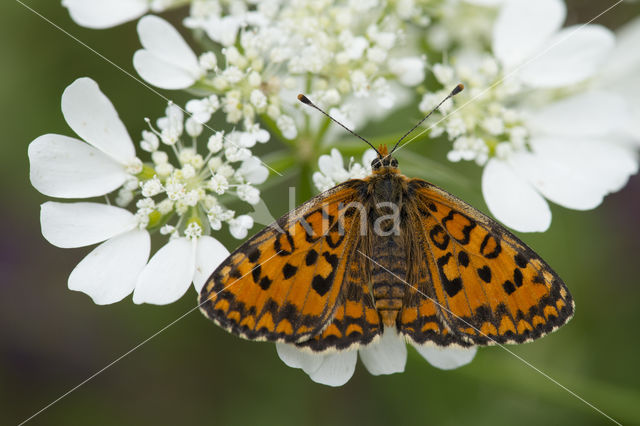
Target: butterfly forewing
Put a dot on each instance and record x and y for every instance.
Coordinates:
(484, 286)
(286, 283)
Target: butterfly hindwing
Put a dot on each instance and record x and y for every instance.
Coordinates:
(485, 285)
(356, 320)
(286, 283)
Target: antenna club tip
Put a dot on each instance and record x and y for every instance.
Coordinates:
(459, 88)
(302, 98)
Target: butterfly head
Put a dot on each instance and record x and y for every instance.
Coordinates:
(384, 160)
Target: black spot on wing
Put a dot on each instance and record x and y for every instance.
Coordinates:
(509, 288)
(463, 258)
(485, 273)
(452, 287)
(311, 257)
(439, 237)
(289, 270)
(521, 261)
(490, 247)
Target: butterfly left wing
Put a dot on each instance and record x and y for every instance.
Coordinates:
(479, 284)
(286, 283)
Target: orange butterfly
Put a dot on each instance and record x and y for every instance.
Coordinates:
(386, 251)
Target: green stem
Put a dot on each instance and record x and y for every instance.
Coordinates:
(305, 189)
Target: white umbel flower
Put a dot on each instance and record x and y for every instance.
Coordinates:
(70, 168)
(579, 154)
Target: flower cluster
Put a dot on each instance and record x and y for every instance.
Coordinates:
(181, 200)
(534, 116)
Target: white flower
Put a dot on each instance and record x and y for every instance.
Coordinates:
(388, 355)
(215, 143)
(239, 227)
(166, 61)
(287, 126)
(252, 171)
(409, 70)
(249, 194)
(69, 168)
(218, 214)
(175, 266)
(332, 169)
(202, 109)
(578, 155)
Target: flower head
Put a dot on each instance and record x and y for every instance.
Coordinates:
(514, 121)
(179, 198)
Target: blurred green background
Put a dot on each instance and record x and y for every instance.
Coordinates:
(51, 339)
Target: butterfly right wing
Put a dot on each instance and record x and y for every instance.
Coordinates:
(285, 283)
(478, 284)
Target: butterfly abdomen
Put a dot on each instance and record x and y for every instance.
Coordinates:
(387, 278)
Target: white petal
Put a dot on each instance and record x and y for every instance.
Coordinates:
(209, 254)
(523, 26)
(168, 274)
(160, 73)
(65, 167)
(624, 61)
(447, 358)
(586, 114)
(333, 369)
(331, 164)
(69, 225)
(100, 14)
(92, 116)
(253, 171)
(577, 173)
(386, 356)
(573, 55)
(512, 200)
(109, 273)
(336, 369)
(368, 157)
(164, 43)
(297, 358)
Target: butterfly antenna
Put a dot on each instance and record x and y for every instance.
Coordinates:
(454, 92)
(302, 98)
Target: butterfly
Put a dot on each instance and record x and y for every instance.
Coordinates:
(386, 251)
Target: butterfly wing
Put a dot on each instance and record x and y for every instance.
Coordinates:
(356, 320)
(286, 283)
(477, 284)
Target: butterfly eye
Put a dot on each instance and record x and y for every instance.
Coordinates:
(376, 163)
(394, 162)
